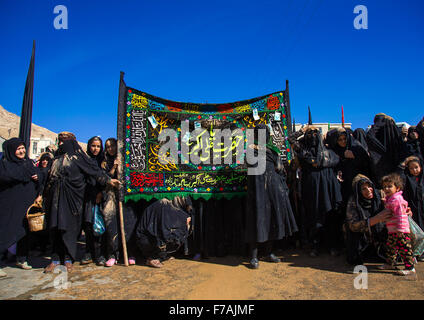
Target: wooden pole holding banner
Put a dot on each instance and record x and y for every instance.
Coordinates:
(120, 152)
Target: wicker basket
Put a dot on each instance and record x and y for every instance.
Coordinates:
(36, 220)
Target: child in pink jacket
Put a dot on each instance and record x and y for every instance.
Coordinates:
(399, 239)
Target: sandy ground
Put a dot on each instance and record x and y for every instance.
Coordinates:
(297, 277)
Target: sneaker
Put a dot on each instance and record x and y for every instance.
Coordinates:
(409, 274)
(101, 261)
(86, 259)
(111, 262)
(23, 265)
(2, 273)
(254, 263)
(420, 258)
(272, 258)
(131, 261)
(386, 266)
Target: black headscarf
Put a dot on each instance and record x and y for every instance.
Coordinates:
(313, 150)
(100, 157)
(9, 149)
(385, 136)
(367, 207)
(110, 160)
(385, 146)
(333, 136)
(69, 147)
(360, 135)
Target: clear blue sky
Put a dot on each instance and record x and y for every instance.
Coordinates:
(213, 51)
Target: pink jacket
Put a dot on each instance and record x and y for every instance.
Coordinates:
(399, 222)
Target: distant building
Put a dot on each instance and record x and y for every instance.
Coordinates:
(38, 145)
(325, 127)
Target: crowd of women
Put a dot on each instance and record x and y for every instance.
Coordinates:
(335, 194)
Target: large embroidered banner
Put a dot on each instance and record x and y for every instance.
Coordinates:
(149, 173)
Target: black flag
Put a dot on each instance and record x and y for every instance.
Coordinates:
(26, 113)
(294, 125)
(310, 117)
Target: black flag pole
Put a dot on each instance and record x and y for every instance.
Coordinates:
(26, 113)
(120, 137)
(310, 117)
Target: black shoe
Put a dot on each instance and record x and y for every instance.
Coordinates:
(273, 258)
(86, 259)
(101, 261)
(254, 263)
(314, 253)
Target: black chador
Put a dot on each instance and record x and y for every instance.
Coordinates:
(71, 170)
(385, 146)
(413, 145)
(17, 192)
(269, 214)
(413, 193)
(361, 136)
(340, 142)
(321, 192)
(163, 227)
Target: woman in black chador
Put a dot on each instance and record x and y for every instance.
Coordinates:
(92, 197)
(269, 214)
(361, 136)
(163, 229)
(413, 191)
(321, 194)
(364, 229)
(385, 146)
(412, 144)
(18, 189)
(109, 205)
(353, 160)
(64, 196)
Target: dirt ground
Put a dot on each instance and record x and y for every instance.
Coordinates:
(297, 277)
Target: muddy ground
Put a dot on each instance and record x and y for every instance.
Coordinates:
(297, 277)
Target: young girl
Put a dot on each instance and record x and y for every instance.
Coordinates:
(413, 193)
(399, 240)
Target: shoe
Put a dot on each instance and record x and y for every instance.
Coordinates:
(273, 258)
(2, 273)
(69, 266)
(254, 263)
(111, 262)
(409, 274)
(155, 263)
(334, 252)
(420, 258)
(101, 261)
(131, 261)
(386, 266)
(314, 253)
(23, 265)
(197, 257)
(87, 259)
(51, 266)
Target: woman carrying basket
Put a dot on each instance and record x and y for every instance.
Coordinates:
(19, 188)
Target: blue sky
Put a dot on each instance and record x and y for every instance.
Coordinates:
(213, 51)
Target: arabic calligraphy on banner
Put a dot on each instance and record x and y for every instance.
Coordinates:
(222, 168)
